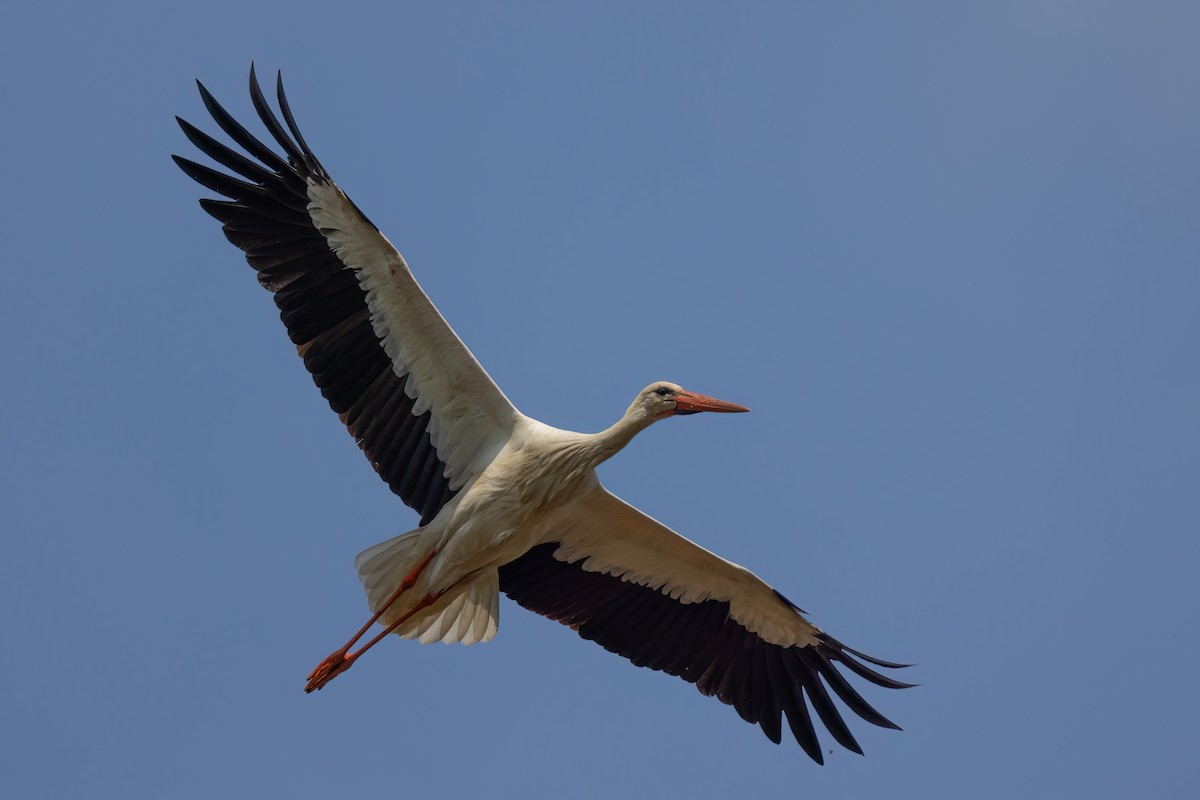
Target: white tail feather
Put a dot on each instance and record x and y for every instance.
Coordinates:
(382, 566)
(466, 614)
(472, 616)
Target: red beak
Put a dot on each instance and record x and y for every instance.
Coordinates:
(691, 403)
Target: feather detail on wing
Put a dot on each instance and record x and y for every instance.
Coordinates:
(427, 415)
(642, 591)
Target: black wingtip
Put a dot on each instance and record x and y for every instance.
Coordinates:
(210, 102)
(190, 168)
(255, 86)
(879, 662)
(863, 671)
(259, 100)
(310, 160)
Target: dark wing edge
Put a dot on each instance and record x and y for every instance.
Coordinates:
(701, 643)
(319, 297)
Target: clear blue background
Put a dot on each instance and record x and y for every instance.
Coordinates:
(949, 253)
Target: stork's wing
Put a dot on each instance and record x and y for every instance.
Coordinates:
(643, 591)
(420, 406)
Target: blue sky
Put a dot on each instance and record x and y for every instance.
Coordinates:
(947, 253)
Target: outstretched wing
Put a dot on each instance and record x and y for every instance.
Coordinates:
(419, 405)
(640, 590)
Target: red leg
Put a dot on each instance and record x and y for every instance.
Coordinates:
(341, 659)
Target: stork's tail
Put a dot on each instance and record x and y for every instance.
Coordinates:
(467, 613)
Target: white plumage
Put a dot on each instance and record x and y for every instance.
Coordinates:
(507, 503)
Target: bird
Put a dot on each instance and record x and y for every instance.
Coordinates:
(507, 504)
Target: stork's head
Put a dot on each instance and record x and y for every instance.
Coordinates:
(664, 399)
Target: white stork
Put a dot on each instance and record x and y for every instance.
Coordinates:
(507, 503)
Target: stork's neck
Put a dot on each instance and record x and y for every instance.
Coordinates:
(607, 443)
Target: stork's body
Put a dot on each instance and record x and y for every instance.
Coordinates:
(515, 503)
(539, 488)
(507, 503)
(518, 500)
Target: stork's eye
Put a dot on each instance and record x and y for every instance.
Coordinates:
(663, 392)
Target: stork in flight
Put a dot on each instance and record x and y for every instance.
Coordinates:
(507, 503)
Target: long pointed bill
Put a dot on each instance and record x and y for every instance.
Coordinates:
(691, 403)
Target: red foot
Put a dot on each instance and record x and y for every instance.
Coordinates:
(327, 670)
